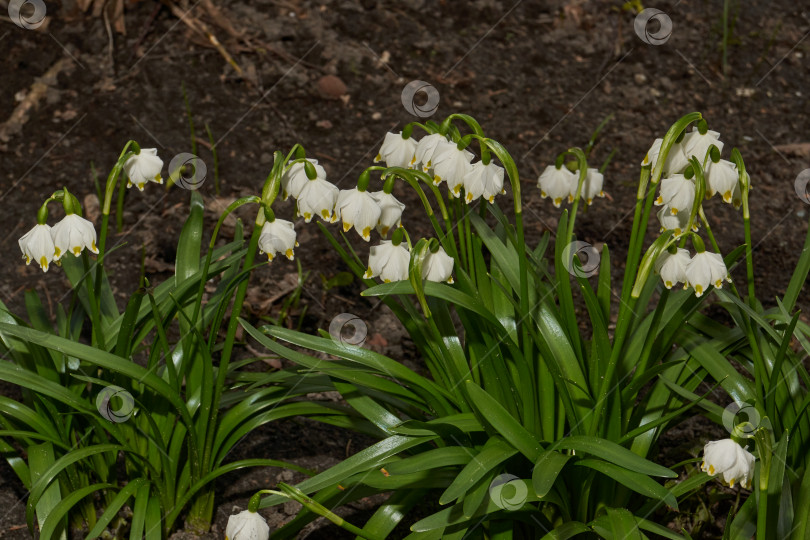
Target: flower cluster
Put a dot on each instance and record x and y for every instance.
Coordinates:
(559, 183)
(45, 244)
(676, 198)
(442, 159)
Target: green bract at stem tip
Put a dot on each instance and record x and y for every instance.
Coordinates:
(398, 235)
(697, 241)
(309, 168)
(42, 213)
(71, 203)
(300, 153)
(388, 186)
(273, 182)
(407, 131)
(363, 180)
(702, 126)
(558, 163)
(714, 153)
(269, 215)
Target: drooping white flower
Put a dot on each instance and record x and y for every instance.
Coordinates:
(73, 234)
(390, 212)
(425, 149)
(396, 151)
(697, 145)
(672, 267)
(728, 458)
(247, 525)
(676, 160)
(651, 157)
(358, 209)
(556, 184)
(294, 180)
(144, 167)
(37, 245)
(591, 186)
(388, 261)
(721, 177)
(704, 270)
(677, 192)
(277, 237)
(317, 198)
(483, 180)
(675, 222)
(438, 266)
(451, 165)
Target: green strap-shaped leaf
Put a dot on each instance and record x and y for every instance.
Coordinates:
(494, 452)
(546, 470)
(51, 525)
(504, 423)
(639, 483)
(612, 452)
(115, 505)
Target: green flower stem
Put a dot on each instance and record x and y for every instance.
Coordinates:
(582, 163)
(650, 174)
(762, 438)
(95, 315)
(119, 211)
(467, 119)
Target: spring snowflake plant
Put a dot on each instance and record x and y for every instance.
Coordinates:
(124, 427)
(532, 421)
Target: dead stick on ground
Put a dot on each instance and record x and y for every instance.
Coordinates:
(200, 27)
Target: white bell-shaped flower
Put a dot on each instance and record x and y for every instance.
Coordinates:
(278, 237)
(425, 150)
(358, 209)
(696, 145)
(73, 234)
(651, 157)
(721, 177)
(672, 267)
(483, 181)
(390, 212)
(37, 245)
(557, 184)
(704, 270)
(728, 458)
(317, 198)
(675, 222)
(396, 151)
(451, 165)
(438, 266)
(676, 160)
(247, 525)
(678, 193)
(388, 262)
(295, 178)
(144, 167)
(591, 186)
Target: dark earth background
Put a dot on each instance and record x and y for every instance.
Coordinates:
(539, 77)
